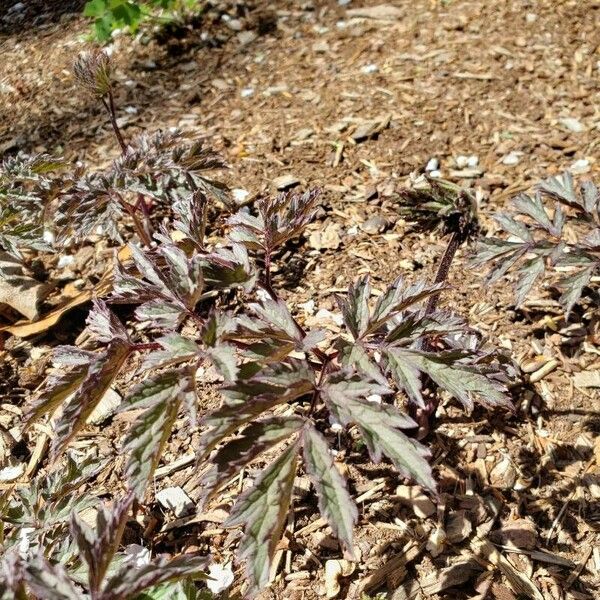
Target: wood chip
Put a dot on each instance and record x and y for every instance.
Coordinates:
(518, 581)
(176, 500)
(587, 379)
(384, 12)
(544, 371)
(285, 182)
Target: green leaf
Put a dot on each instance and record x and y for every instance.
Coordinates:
(94, 8)
(397, 298)
(464, 382)
(181, 590)
(128, 14)
(161, 313)
(248, 398)
(224, 359)
(176, 349)
(406, 374)
(103, 28)
(276, 314)
(335, 503)
(262, 511)
(355, 356)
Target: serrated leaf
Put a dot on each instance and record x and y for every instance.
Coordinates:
(379, 424)
(250, 397)
(161, 313)
(573, 287)
(255, 439)
(180, 590)
(98, 378)
(534, 208)
(275, 313)
(464, 382)
(46, 580)
(561, 188)
(514, 227)
(149, 270)
(355, 356)
(128, 582)
(335, 503)
(98, 547)
(591, 197)
(406, 374)
(398, 297)
(57, 388)
(262, 510)
(527, 276)
(229, 268)
(103, 324)
(224, 359)
(216, 327)
(355, 307)
(162, 395)
(176, 349)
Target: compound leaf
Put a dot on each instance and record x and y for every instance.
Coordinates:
(464, 382)
(379, 423)
(99, 377)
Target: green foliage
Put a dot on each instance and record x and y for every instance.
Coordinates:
(109, 15)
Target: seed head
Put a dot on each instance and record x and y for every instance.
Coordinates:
(93, 72)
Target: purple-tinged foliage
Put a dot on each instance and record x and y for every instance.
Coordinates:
(287, 391)
(547, 237)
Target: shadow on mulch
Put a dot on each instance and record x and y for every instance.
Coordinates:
(25, 18)
(551, 496)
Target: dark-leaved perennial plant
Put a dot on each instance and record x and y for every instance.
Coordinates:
(285, 386)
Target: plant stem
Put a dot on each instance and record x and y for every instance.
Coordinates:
(316, 393)
(148, 346)
(425, 416)
(456, 240)
(141, 205)
(139, 227)
(268, 279)
(110, 107)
